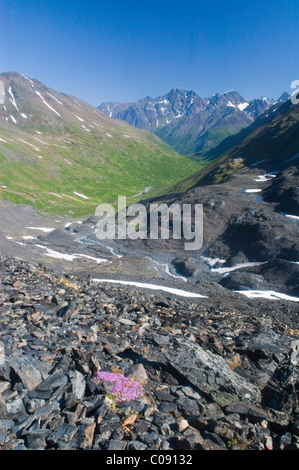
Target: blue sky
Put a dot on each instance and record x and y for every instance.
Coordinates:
(125, 50)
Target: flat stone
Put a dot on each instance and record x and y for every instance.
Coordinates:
(136, 445)
(27, 370)
(168, 407)
(63, 434)
(209, 372)
(247, 409)
(164, 396)
(86, 433)
(46, 389)
(138, 372)
(15, 408)
(36, 439)
(115, 444)
(126, 321)
(188, 407)
(78, 385)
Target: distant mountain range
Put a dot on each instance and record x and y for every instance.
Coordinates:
(271, 143)
(62, 155)
(188, 123)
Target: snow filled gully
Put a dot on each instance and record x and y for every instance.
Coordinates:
(143, 285)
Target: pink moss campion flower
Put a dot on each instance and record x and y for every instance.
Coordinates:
(125, 389)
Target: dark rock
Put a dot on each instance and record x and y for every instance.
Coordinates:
(168, 407)
(61, 436)
(254, 413)
(164, 396)
(267, 344)
(209, 373)
(295, 426)
(3, 410)
(115, 445)
(15, 408)
(244, 281)
(36, 439)
(188, 407)
(184, 266)
(46, 388)
(136, 445)
(219, 373)
(86, 433)
(153, 438)
(28, 370)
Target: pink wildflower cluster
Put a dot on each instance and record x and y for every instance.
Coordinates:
(125, 389)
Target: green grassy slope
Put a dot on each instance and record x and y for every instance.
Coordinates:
(46, 158)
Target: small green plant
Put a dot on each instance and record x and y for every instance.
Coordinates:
(232, 443)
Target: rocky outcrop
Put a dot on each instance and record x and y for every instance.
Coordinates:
(214, 374)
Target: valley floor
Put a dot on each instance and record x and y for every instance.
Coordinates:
(212, 336)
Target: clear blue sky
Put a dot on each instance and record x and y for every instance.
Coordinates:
(125, 50)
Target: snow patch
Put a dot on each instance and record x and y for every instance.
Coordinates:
(32, 84)
(250, 190)
(238, 266)
(77, 102)
(296, 217)
(243, 106)
(58, 255)
(70, 223)
(47, 104)
(28, 143)
(52, 96)
(212, 261)
(267, 294)
(264, 178)
(41, 141)
(81, 195)
(171, 290)
(12, 100)
(42, 229)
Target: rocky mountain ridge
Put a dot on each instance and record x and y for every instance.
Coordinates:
(189, 123)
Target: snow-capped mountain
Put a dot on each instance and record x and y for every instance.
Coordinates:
(189, 123)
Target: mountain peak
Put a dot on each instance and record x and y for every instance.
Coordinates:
(284, 97)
